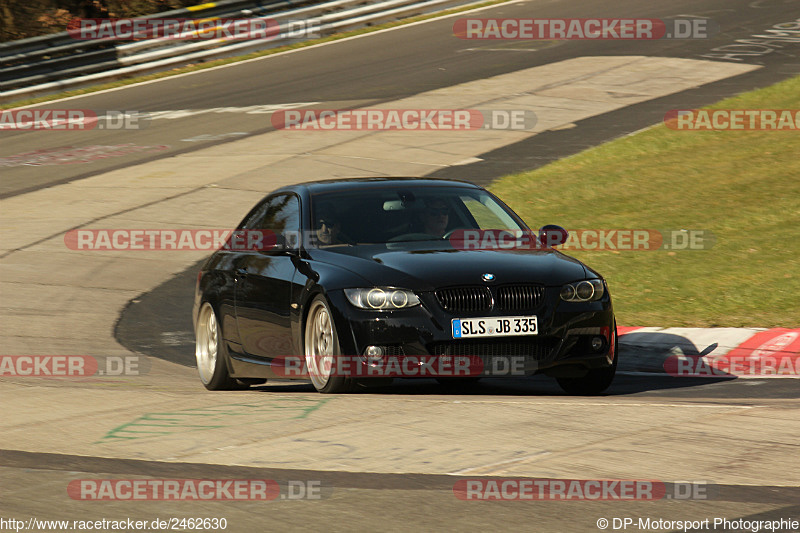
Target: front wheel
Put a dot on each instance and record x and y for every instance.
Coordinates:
(596, 380)
(211, 354)
(322, 349)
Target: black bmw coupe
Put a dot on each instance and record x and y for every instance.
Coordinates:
(358, 281)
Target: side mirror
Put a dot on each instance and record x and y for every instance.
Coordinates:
(552, 235)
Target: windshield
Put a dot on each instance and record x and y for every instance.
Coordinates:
(402, 214)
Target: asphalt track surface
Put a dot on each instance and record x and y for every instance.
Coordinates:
(383, 502)
(395, 64)
(367, 72)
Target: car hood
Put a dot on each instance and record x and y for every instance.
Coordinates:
(421, 268)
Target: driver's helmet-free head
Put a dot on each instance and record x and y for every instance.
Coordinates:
(327, 224)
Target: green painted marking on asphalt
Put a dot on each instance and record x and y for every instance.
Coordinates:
(213, 417)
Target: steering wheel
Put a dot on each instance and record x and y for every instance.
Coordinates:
(452, 231)
(345, 239)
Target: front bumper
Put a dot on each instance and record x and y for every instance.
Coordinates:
(563, 345)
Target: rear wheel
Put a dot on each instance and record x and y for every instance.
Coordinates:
(596, 380)
(322, 349)
(211, 354)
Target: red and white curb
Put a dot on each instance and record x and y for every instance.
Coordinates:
(710, 352)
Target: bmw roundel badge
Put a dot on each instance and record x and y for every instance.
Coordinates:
(488, 277)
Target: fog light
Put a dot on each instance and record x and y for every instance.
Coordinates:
(374, 353)
(597, 343)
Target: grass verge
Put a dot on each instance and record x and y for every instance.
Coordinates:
(743, 186)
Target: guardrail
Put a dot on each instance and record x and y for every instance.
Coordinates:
(26, 50)
(36, 60)
(43, 65)
(64, 56)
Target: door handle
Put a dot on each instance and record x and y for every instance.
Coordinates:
(241, 271)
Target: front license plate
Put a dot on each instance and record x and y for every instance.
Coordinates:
(494, 326)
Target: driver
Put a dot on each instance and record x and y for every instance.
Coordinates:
(436, 217)
(328, 226)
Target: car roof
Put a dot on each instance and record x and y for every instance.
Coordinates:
(344, 184)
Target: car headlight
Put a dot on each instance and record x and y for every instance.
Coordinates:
(583, 291)
(380, 298)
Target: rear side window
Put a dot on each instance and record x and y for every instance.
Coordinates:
(280, 214)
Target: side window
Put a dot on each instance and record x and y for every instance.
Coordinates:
(482, 215)
(279, 214)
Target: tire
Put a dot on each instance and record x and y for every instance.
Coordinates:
(321, 349)
(596, 380)
(211, 353)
